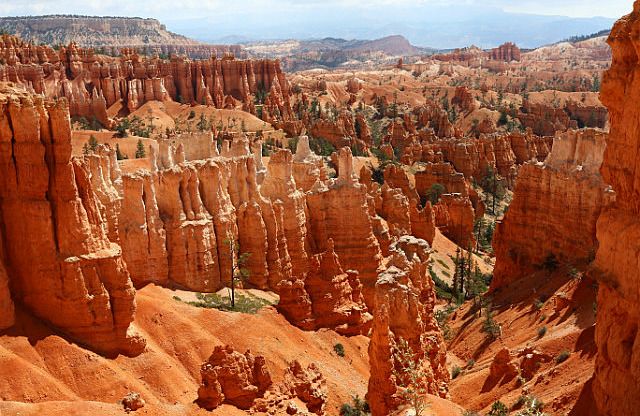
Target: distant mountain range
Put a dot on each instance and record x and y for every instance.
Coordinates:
(443, 27)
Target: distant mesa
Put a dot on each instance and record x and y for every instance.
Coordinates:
(113, 34)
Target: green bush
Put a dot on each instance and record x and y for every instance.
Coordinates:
(245, 304)
(455, 371)
(564, 354)
(359, 408)
(542, 331)
(339, 349)
(498, 409)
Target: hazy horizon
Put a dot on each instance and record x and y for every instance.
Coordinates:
(425, 23)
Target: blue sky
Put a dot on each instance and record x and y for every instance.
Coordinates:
(437, 23)
(165, 9)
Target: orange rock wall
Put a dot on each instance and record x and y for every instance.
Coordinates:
(554, 209)
(60, 262)
(616, 386)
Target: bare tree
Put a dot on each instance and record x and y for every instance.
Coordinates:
(238, 271)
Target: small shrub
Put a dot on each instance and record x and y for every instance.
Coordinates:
(359, 408)
(176, 298)
(564, 354)
(498, 409)
(443, 264)
(471, 363)
(339, 349)
(538, 304)
(542, 331)
(455, 371)
(542, 317)
(245, 304)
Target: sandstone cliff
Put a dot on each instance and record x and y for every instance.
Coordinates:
(403, 311)
(556, 204)
(60, 262)
(616, 387)
(92, 83)
(111, 32)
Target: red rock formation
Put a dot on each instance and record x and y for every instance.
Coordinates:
(554, 209)
(7, 312)
(326, 297)
(403, 310)
(616, 386)
(338, 210)
(544, 120)
(423, 222)
(463, 98)
(59, 259)
(506, 52)
(279, 185)
(452, 181)
(394, 208)
(455, 217)
(587, 116)
(93, 83)
(307, 167)
(305, 384)
(232, 378)
(396, 177)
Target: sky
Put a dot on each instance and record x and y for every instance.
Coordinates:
(197, 8)
(437, 23)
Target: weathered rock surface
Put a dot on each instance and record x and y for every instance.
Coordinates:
(506, 52)
(616, 386)
(403, 310)
(338, 210)
(59, 259)
(232, 378)
(554, 210)
(326, 297)
(92, 83)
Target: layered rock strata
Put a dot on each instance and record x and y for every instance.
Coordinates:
(338, 210)
(403, 311)
(616, 386)
(60, 262)
(554, 210)
(92, 83)
(326, 297)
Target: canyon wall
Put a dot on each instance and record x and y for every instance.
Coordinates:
(59, 260)
(556, 204)
(616, 386)
(92, 83)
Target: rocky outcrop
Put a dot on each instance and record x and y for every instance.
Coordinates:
(506, 52)
(326, 297)
(7, 311)
(279, 185)
(244, 381)
(92, 83)
(232, 378)
(554, 210)
(452, 181)
(545, 120)
(616, 385)
(307, 166)
(111, 34)
(59, 259)
(305, 384)
(338, 210)
(455, 217)
(403, 311)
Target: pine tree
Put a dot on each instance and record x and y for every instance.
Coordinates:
(93, 143)
(119, 155)
(140, 152)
